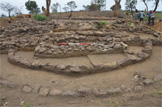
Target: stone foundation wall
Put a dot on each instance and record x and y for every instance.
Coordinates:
(70, 50)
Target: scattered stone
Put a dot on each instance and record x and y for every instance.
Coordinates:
(27, 89)
(158, 77)
(43, 91)
(99, 93)
(138, 88)
(148, 81)
(122, 87)
(36, 89)
(42, 50)
(128, 90)
(11, 85)
(55, 92)
(147, 49)
(142, 55)
(83, 91)
(68, 93)
(123, 61)
(114, 91)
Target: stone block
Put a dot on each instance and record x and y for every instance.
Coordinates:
(55, 92)
(27, 89)
(148, 81)
(83, 91)
(68, 93)
(43, 91)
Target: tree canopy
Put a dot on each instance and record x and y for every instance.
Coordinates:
(54, 7)
(72, 5)
(113, 7)
(130, 4)
(32, 7)
(8, 8)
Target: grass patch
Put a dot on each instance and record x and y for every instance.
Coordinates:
(104, 22)
(40, 17)
(129, 23)
(26, 105)
(146, 18)
(112, 103)
(157, 92)
(158, 15)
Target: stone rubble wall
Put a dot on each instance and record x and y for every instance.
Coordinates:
(71, 50)
(130, 59)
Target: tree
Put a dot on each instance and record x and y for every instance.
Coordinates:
(32, 7)
(48, 3)
(72, 5)
(99, 3)
(65, 8)
(116, 9)
(54, 7)
(156, 4)
(113, 7)
(130, 5)
(7, 7)
(145, 2)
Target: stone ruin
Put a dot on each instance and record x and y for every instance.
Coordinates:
(51, 39)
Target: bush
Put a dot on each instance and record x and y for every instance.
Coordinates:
(40, 17)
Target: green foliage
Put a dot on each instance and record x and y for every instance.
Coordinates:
(54, 7)
(104, 22)
(78, 23)
(158, 15)
(146, 18)
(72, 5)
(26, 105)
(92, 7)
(40, 17)
(130, 4)
(113, 7)
(157, 92)
(101, 24)
(129, 23)
(96, 5)
(32, 7)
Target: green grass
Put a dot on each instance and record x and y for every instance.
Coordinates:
(146, 18)
(112, 103)
(129, 23)
(26, 105)
(104, 22)
(157, 92)
(158, 15)
(40, 17)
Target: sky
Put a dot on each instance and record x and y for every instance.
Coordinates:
(21, 3)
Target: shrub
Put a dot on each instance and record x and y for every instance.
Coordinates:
(40, 17)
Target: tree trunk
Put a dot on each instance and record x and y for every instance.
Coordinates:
(9, 14)
(156, 5)
(48, 2)
(116, 9)
(146, 7)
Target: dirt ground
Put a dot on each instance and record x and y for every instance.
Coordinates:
(146, 98)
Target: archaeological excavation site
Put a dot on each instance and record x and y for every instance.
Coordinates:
(86, 60)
